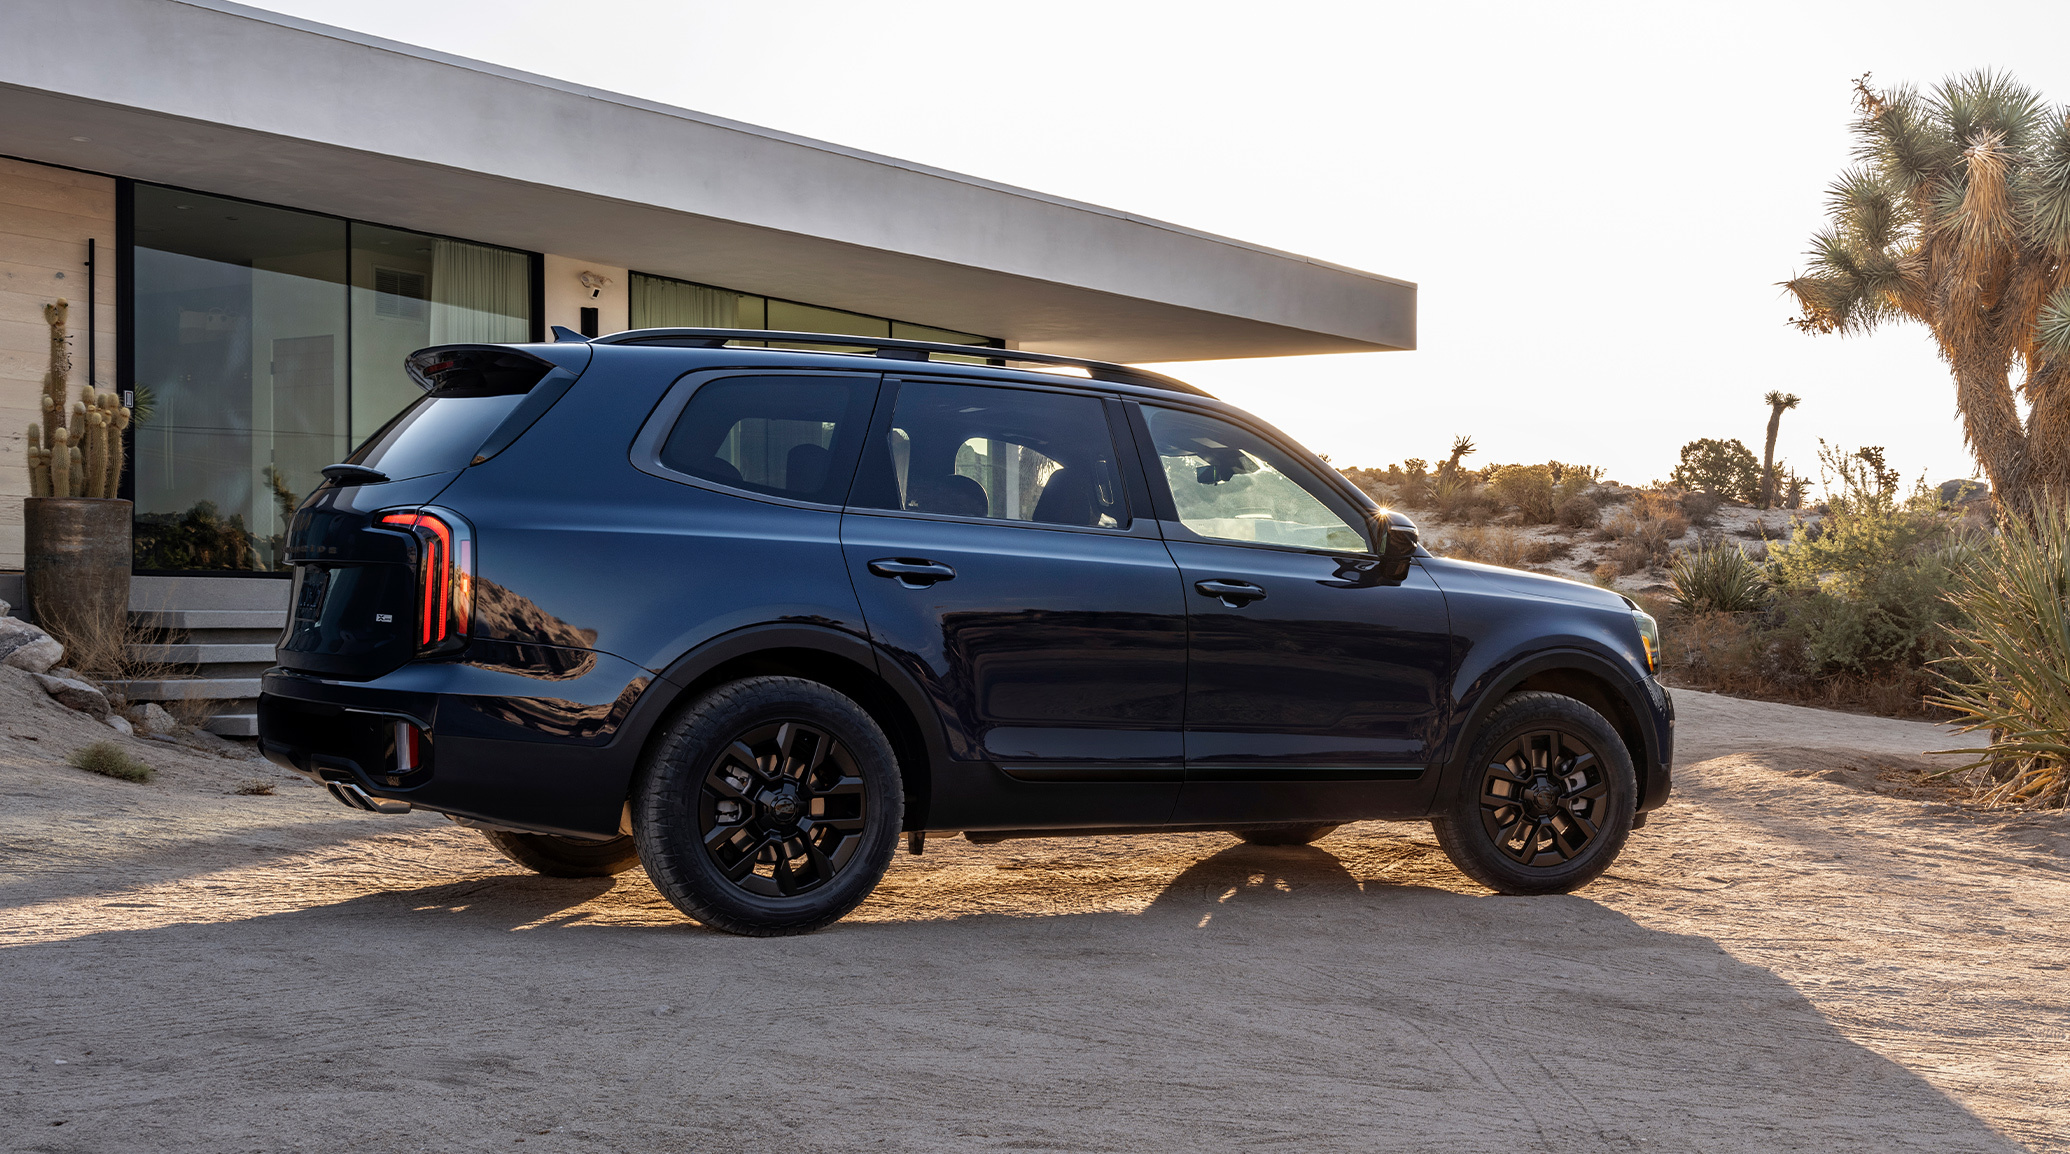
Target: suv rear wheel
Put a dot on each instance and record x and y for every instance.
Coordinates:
(1546, 799)
(564, 857)
(771, 806)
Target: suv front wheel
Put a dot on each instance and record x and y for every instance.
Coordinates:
(1545, 801)
(770, 806)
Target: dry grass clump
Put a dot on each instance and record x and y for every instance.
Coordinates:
(109, 760)
(1488, 544)
(1542, 550)
(254, 787)
(1642, 531)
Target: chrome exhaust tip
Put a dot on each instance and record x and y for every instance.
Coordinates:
(353, 796)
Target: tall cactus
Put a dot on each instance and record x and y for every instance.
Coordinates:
(75, 450)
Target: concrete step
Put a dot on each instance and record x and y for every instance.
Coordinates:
(205, 654)
(191, 619)
(189, 689)
(233, 724)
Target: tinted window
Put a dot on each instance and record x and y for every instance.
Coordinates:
(436, 434)
(1232, 485)
(787, 436)
(1009, 454)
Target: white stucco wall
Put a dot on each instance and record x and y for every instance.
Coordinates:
(566, 297)
(46, 216)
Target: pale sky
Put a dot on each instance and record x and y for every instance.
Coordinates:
(1596, 200)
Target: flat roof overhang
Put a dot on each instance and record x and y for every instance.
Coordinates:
(339, 122)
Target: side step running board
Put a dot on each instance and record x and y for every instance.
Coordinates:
(353, 796)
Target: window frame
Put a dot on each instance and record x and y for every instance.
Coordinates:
(647, 444)
(1140, 520)
(1333, 497)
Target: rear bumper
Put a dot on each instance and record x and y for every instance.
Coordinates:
(503, 748)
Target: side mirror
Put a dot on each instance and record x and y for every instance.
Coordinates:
(1399, 540)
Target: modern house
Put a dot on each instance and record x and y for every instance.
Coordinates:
(250, 251)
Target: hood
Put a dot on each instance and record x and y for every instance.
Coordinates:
(1473, 577)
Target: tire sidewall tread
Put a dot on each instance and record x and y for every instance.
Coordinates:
(1458, 822)
(665, 806)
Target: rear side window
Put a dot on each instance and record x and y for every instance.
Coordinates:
(469, 391)
(784, 436)
(436, 434)
(998, 453)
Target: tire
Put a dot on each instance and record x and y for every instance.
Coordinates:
(1298, 834)
(564, 857)
(1522, 832)
(770, 806)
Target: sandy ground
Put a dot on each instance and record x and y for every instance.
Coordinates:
(1785, 959)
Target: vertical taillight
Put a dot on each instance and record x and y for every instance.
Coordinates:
(445, 575)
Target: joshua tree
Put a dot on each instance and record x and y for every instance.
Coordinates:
(1778, 403)
(1461, 447)
(1958, 216)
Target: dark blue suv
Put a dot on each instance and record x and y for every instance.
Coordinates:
(742, 606)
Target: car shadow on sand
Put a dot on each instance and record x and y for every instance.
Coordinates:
(1265, 996)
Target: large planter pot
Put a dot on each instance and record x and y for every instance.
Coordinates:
(76, 566)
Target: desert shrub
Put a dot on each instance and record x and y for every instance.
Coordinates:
(1700, 506)
(1529, 489)
(1605, 574)
(1578, 512)
(1727, 468)
(1539, 550)
(2008, 670)
(1413, 489)
(1718, 578)
(1373, 482)
(109, 760)
(1488, 544)
(1461, 497)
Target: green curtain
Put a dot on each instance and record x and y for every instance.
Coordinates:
(479, 294)
(672, 304)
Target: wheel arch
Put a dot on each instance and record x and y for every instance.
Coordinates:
(1586, 678)
(840, 661)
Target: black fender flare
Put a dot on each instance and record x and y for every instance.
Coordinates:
(1496, 684)
(682, 677)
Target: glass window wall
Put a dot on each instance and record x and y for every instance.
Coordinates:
(269, 342)
(665, 303)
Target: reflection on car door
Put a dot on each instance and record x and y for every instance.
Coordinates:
(1314, 690)
(999, 564)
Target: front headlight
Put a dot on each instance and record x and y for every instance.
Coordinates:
(1649, 638)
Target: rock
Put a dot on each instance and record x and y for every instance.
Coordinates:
(75, 694)
(151, 718)
(120, 724)
(1963, 492)
(24, 646)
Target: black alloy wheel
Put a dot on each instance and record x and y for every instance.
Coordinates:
(771, 805)
(1545, 800)
(783, 809)
(1544, 794)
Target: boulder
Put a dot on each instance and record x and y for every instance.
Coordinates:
(73, 693)
(24, 646)
(151, 717)
(120, 724)
(1963, 492)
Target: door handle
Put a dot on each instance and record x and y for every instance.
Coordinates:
(1234, 594)
(912, 572)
